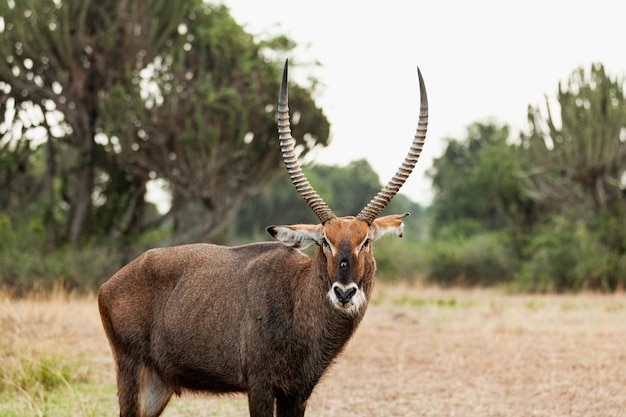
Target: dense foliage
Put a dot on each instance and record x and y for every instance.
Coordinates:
(550, 208)
(104, 99)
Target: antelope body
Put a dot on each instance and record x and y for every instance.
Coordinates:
(263, 318)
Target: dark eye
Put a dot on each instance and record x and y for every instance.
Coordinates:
(325, 243)
(366, 243)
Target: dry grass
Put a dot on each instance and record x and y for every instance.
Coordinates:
(484, 353)
(419, 352)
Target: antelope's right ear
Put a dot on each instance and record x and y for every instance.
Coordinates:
(297, 236)
(387, 225)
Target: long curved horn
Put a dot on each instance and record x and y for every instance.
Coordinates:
(384, 196)
(287, 144)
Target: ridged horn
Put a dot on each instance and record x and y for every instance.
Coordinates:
(384, 196)
(287, 147)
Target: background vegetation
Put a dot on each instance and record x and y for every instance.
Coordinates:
(103, 102)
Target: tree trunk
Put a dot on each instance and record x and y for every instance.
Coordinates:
(85, 130)
(84, 188)
(50, 198)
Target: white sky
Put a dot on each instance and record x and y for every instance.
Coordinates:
(481, 60)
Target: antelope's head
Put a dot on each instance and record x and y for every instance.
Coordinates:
(344, 253)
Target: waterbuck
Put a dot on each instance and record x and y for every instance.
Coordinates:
(263, 318)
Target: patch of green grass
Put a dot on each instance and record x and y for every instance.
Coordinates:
(572, 306)
(615, 307)
(83, 400)
(411, 302)
(51, 386)
(534, 305)
(440, 302)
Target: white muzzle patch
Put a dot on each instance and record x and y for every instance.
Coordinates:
(347, 298)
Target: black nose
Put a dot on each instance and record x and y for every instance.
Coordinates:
(344, 296)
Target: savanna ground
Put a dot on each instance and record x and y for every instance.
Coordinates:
(419, 352)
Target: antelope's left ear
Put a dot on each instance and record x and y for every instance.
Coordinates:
(387, 225)
(297, 236)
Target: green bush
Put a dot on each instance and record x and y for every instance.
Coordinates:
(482, 259)
(72, 269)
(400, 259)
(27, 264)
(564, 255)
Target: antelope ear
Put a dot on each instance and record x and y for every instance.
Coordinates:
(387, 225)
(297, 236)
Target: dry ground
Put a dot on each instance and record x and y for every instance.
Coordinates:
(419, 352)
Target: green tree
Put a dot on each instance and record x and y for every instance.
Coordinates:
(58, 59)
(576, 173)
(579, 157)
(476, 185)
(213, 138)
(479, 214)
(352, 186)
(103, 97)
